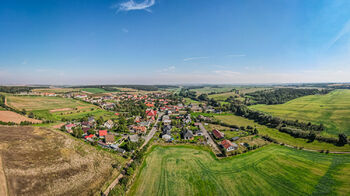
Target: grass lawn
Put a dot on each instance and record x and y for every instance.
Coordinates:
(333, 110)
(188, 101)
(279, 136)
(271, 170)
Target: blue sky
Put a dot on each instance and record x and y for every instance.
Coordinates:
(174, 41)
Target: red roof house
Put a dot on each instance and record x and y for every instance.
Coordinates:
(228, 145)
(89, 136)
(217, 134)
(151, 113)
(102, 133)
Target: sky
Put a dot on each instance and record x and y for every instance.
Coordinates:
(64, 42)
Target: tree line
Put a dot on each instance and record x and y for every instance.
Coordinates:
(282, 95)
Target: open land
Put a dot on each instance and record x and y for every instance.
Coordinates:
(333, 110)
(271, 170)
(39, 161)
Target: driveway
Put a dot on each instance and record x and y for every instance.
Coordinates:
(210, 140)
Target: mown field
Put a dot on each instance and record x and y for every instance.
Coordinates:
(333, 110)
(281, 137)
(271, 170)
(56, 108)
(39, 161)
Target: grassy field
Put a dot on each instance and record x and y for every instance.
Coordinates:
(279, 136)
(56, 108)
(95, 90)
(271, 170)
(39, 161)
(333, 110)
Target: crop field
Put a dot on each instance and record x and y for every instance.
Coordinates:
(9, 116)
(95, 90)
(281, 137)
(56, 90)
(39, 161)
(271, 170)
(56, 108)
(333, 110)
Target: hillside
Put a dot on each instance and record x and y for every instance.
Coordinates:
(39, 161)
(272, 170)
(333, 110)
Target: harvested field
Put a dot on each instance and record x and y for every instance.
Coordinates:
(9, 116)
(40, 161)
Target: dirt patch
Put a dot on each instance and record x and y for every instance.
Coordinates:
(46, 162)
(61, 110)
(9, 116)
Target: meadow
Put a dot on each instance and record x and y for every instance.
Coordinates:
(281, 137)
(271, 170)
(56, 108)
(333, 110)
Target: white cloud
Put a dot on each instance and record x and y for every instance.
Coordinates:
(167, 70)
(195, 58)
(125, 30)
(132, 5)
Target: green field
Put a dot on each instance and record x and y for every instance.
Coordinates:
(56, 108)
(333, 110)
(271, 170)
(281, 137)
(95, 90)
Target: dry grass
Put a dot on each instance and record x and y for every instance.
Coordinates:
(9, 116)
(38, 161)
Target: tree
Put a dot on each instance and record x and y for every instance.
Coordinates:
(342, 139)
(312, 136)
(130, 171)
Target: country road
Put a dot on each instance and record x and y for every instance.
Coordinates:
(147, 139)
(210, 140)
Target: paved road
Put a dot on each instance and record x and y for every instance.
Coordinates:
(152, 132)
(147, 139)
(210, 140)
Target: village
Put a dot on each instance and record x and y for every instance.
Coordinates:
(161, 115)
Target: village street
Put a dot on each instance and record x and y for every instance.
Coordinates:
(210, 141)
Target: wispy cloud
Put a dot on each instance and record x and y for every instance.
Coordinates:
(226, 72)
(132, 5)
(195, 58)
(236, 55)
(125, 30)
(24, 62)
(167, 70)
(345, 30)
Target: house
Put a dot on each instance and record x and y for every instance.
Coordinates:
(139, 129)
(145, 123)
(116, 148)
(199, 133)
(69, 127)
(89, 136)
(187, 119)
(137, 119)
(151, 113)
(109, 124)
(188, 135)
(134, 138)
(217, 134)
(228, 145)
(166, 120)
(102, 133)
(85, 130)
(167, 129)
(91, 119)
(109, 139)
(166, 137)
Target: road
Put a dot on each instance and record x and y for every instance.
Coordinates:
(210, 140)
(147, 139)
(152, 132)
